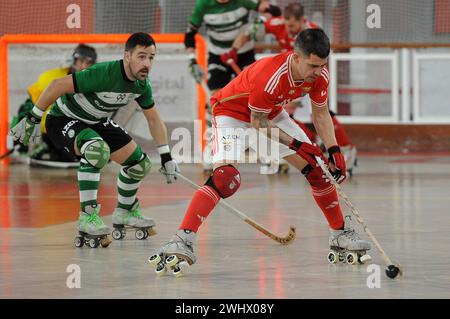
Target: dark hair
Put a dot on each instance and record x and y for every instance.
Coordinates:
(85, 52)
(139, 38)
(313, 41)
(295, 10)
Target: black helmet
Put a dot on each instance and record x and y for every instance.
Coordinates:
(83, 51)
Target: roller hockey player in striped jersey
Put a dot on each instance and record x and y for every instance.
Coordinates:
(78, 122)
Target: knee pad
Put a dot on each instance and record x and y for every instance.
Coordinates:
(226, 180)
(314, 176)
(96, 152)
(139, 169)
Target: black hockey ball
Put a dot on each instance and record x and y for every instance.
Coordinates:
(392, 271)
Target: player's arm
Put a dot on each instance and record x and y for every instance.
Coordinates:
(159, 132)
(156, 125)
(260, 120)
(56, 88)
(324, 124)
(305, 150)
(194, 24)
(325, 129)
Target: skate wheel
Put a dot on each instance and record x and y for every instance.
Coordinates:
(171, 260)
(116, 234)
(79, 241)
(140, 234)
(332, 257)
(160, 269)
(93, 243)
(154, 259)
(105, 241)
(341, 257)
(124, 232)
(145, 234)
(351, 258)
(183, 265)
(177, 272)
(365, 258)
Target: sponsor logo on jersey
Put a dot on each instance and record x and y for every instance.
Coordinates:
(291, 92)
(227, 145)
(68, 126)
(323, 93)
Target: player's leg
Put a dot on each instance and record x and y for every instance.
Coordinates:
(50, 155)
(135, 165)
(222, 183)
(81, 140)
(324, 192)
(344, 142)
(218, 76)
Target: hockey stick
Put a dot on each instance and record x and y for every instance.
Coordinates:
(9, 152)
(392, 270)
(282, 240)
(234, 66)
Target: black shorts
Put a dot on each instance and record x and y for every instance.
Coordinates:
(63, 130)
(219, 74)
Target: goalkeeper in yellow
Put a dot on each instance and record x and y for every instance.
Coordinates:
(45, 153)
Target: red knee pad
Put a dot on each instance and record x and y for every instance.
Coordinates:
(314, 177)
(226, 180)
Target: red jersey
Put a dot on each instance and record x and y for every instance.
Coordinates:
(277, 27)
(265, 86)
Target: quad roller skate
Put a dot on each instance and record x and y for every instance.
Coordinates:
(92, 231)
(274, 167)
(347, 247)
(176, 256)
(133, 219)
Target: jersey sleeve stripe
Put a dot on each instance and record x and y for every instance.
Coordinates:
(75, 86)
(274, 76)
(319, 104)
(277, 80)
(257, 109)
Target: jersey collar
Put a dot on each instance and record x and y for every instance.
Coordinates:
(290, 77)
(122, 69)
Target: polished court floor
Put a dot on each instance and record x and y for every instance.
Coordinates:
(405, 201)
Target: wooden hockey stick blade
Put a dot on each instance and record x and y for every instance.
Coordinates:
(9, 152)
(282, 240)
(286, 240)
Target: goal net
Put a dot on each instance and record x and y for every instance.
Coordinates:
(180, 103)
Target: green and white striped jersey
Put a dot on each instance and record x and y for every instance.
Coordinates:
(100, 90)
(224, 22)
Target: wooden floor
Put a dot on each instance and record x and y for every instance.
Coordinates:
(404, 200)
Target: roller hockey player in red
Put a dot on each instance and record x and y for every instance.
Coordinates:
(255, 99)
(285, 30)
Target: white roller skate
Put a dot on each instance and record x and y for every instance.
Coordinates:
(346, 246)
(351, 161)
(176, 256)
(132, 219)
(92, 231)
(272, 166)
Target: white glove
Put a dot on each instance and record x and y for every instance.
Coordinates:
(169, 166)
(28, 128)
